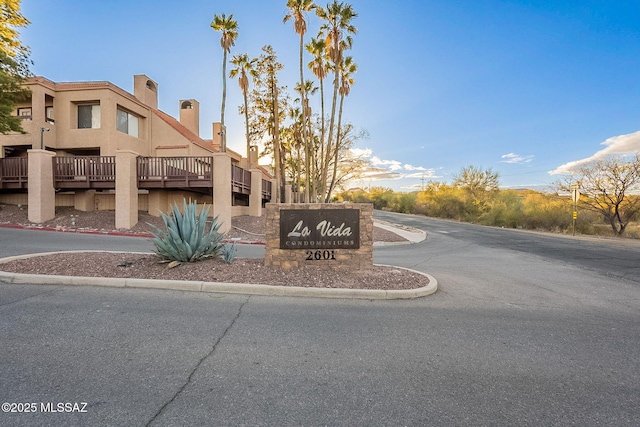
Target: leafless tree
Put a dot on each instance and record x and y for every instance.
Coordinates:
(608, 186)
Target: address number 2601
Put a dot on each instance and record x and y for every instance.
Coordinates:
(321, 255)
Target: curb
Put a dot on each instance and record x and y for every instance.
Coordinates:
(110, 233)
(76, 230)
(412, 236)
(214, 287)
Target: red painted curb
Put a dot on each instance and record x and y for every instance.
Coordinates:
(107, 233)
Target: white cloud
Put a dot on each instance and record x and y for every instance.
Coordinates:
(622, 144)
(362, 152)
(414, 168)
(379, 174)
(426, 173)
(383, 169)
(394, 165)
(516, 158)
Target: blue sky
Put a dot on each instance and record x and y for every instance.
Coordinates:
(523, 87)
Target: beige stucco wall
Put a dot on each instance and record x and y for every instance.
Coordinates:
(64, 132)
(42, 196)
(107, 138)
(33, 125)
(165, 135)
(14, 199)
(158, 136)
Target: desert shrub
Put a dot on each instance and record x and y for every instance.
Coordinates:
(633, 230)
(382, 198)
(355, 196)
(444, 201)
(185, 238)
(546, 212)
(503, 209)
(403, 202)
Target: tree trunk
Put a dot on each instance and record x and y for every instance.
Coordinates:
(336, 153)
(620, 223)
(223, 137)
(325, 166)
(276, 142)
(305, 140)
(322, 135)
(246, 126)
(224, 85)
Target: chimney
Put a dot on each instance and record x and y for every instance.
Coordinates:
(190, 115)
(219, 136)
(253, 156)
(146, 90)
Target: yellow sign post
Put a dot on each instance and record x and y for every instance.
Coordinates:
(575, 195)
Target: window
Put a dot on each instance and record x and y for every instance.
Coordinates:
(127, 122)
(89, 116)
(49, 114)
(24, 113)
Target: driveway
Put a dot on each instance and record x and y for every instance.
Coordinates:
(512, 337)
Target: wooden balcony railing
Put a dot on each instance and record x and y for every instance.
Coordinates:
(240, 180)
(99, 172)
(175, 172)
(84, 172)
(266, 189)
(14, 172)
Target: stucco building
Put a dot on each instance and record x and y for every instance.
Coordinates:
(93, 145)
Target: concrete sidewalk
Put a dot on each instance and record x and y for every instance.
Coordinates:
(413, 235)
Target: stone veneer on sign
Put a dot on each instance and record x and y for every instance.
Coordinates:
(334, 259)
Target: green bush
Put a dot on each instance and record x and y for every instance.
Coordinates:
(503, 209)
(185, 238)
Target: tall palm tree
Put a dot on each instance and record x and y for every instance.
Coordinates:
(296, 142)
(229, 29)
(305, 124)
(337, 30)
(347, 69)
(244, 68)
(320, 68)
(297, 10)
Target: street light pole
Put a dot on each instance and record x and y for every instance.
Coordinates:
(42, 131)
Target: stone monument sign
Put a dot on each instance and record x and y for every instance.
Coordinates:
(332, 236)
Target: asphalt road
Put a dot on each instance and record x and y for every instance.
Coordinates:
(523, 331)
(619, 258)
(20, 242)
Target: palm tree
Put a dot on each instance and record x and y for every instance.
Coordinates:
(347, 69)
(295, 137)
(297, 10)
(337, 30)
(229, 29)
(319, 67)
(244, 67)
(305, 125)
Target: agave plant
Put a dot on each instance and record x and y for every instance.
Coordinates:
(185, 238)
(229, 253)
